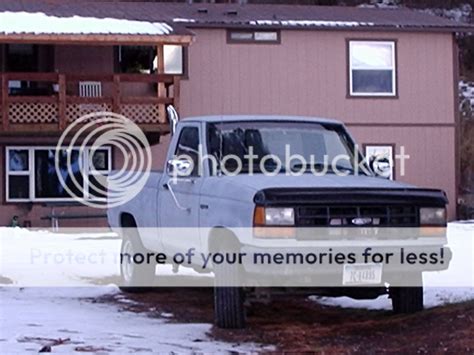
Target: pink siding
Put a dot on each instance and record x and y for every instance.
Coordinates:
(84, 60)
(306, 75)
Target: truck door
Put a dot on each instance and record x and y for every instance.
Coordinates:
(178, 211)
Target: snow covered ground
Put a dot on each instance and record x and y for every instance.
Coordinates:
(33, 317)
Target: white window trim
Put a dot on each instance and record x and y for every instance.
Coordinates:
(393, 68)
(86, 171)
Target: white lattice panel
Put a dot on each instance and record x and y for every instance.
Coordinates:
(75, 111)
(141, 113)
(23, 112)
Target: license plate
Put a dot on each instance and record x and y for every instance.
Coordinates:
(362, 274)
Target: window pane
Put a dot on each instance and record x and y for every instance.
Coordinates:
(266, 36)
(372, 81)
(188, 146)
(97, 186)
(47, 183)
(18, 187)
(241, 36)
(21, 58)
(100, 159)
(18, 160)
(173, 59)
(367, 55)
(136, 59)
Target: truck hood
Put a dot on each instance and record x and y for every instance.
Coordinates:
(259, 181)
(243, 187)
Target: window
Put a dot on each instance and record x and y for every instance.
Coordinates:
(372, 68)
(245, 36)
(188, 146)
(22, 57)
(142, 59)
(173, 59)
(31, 174)
(380, 158)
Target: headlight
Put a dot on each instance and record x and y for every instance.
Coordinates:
(432, 216)
(274, 216)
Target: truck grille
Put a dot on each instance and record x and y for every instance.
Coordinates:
(357, 216)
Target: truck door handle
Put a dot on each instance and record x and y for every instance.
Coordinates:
(167, 186)
(204, 207)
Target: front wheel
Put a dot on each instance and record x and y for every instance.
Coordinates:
(229, 311)
(408, 299)
(136, 273)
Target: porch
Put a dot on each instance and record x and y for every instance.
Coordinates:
(48, 102)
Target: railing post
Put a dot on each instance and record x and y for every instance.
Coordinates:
(62, 102)
(176, 92)
(4, 93)
(161, 85)
(116, 94)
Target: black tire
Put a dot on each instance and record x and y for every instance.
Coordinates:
(135, 277)
(408, 299)
(229, 310)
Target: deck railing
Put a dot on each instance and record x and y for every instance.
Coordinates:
(53, 100)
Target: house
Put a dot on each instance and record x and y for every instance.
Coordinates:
(389, 74)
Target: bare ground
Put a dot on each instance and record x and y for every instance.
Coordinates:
(297, 324)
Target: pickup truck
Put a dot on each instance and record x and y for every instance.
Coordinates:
(194, 194)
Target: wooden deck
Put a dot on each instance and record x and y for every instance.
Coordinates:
(55, 101)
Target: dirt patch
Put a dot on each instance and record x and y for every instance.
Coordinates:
(5, 280)
(298, 324)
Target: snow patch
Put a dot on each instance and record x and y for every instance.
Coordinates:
(40, 23)
(466, 93)
(461, 14)
(184, 20)
(309, 23)
(35, 317)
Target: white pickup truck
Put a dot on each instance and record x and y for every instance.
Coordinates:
(215, 204)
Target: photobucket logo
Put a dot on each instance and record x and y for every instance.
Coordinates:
(76, 160)
(291, 164)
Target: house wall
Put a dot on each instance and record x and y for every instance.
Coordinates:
(307, 75)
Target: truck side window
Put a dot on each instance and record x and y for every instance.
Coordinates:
(188, 146)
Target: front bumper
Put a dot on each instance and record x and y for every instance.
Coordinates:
(324, 266)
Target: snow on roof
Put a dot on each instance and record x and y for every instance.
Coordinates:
(40, 23)
(185, 20)
(315, 23)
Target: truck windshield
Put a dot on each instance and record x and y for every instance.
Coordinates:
(279, 147)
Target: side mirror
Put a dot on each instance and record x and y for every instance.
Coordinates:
(179, 167)
(381, 167)
(173, 118)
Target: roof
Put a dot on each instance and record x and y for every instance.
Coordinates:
(40, 23)
(259, 118)
(180, 15)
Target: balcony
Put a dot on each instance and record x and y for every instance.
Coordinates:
(49, 102)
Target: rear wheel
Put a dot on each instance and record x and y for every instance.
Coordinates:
(408, 299)
(137, 275)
